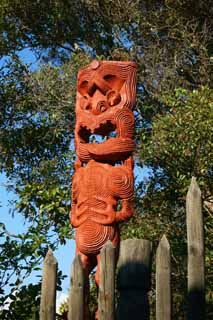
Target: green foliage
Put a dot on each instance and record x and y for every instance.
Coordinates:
(20, 256)
(176, 147)
(37, 155)
(24, 305)
(37, 116)
(172, 44)
(63, 310)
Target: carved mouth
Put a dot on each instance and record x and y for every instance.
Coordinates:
(100, 134)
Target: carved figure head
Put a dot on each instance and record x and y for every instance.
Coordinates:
(106, 93)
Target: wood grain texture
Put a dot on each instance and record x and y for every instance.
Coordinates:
(106, 303)
(76, 297)
(134, 264)
(195, 243)
(48, 289)
(133, 280)
(103, 182)
(163, 280)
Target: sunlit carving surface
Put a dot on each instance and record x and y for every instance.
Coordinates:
(102, 187)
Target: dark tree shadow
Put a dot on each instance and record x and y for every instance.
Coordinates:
(133, 284)
(196, 304)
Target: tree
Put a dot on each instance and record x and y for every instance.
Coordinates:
(39, 167)
(28, 297)
(171, 42)
(178, 147)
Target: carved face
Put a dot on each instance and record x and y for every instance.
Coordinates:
(105, 98)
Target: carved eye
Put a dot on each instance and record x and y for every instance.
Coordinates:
(114, 81)
(109, 77)
(113, 97)
(83, 87)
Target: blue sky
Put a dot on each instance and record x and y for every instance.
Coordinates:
(65, 254)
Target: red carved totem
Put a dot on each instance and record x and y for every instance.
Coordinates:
(103, 183)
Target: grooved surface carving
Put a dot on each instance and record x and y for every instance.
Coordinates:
(103, 183)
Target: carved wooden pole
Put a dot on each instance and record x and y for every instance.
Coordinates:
(195, 242)
(48, 289)
(133, 281)
(106, 92)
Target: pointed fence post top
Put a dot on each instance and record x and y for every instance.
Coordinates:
(163, 246)
(164, 242)
(50, 258)
(48, 288)
(163, 280)
(193, 201)
(193, 188)
(196, 256)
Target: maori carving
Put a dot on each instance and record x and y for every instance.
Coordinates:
(102, 186)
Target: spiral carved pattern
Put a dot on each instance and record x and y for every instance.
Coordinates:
(91, 237)
(121, 183)
(125, 123)
(106, 93)
(102, 106)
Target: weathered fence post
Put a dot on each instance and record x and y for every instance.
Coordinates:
(48, 289)
(76, 297)
(195, 242)
(163, 280)
(106, 301)
(133, 281)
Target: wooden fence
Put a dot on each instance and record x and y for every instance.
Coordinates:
(133, 276)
